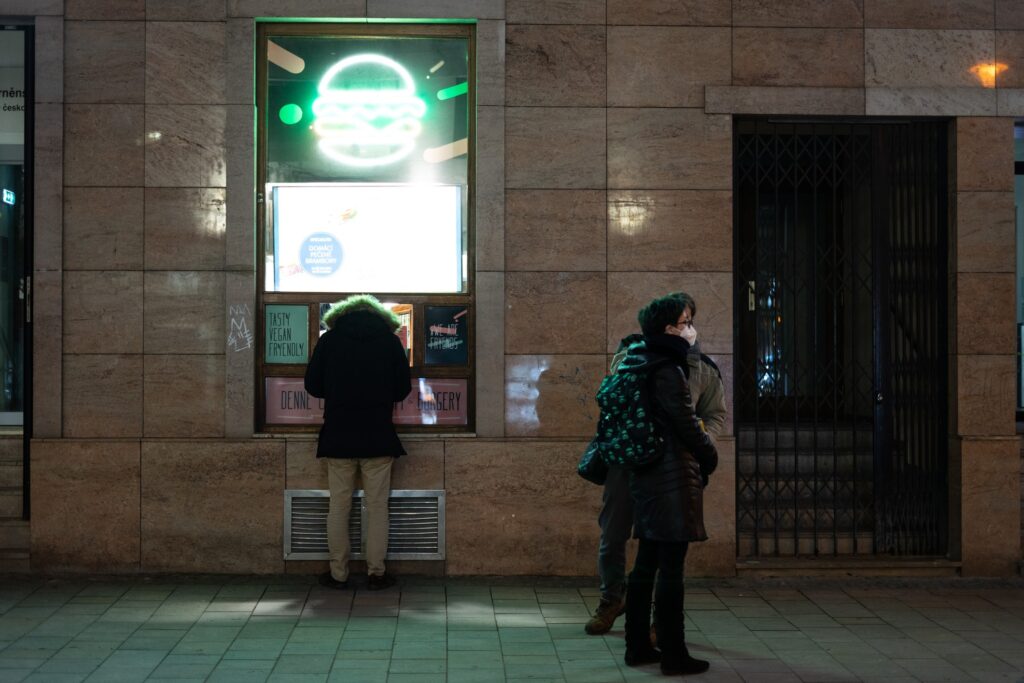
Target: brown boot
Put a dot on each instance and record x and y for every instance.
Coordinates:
(604, 616)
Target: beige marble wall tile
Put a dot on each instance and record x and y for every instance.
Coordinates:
(185, 146)
(105, 9)
(675, 230)
(984, 313)
(555, 66)
(213, 507)
(184, 312)
(985, 232)
(47, 382)
(926, 58)
(555, 230)
(670, 12)
(932, 14)
(798, 56)
(490, 63)
(555, 11)
(240, 65)
(32, 7)
(490, 188)
(48, 188)
(102, 312)
(49, 63)
(185, 62)
(991, 513)
(628, 292)
(490, 354)
(984, 154)
(663, 149)
(444, 9)
(932, 101)
(103, 145)
(986, 392)
(1009, 14)
(104, 61)
(240, 217)
(185, 228)
(103, 228)
(554, 312)
(421, 468)
(799, 13)
(552, 508)
(717, 555)
(85, 506)
(185, 10)
(296, 8)
(102, 396)
(240, 356)
(666, 66)
(725, 99)
(555, 147)
(1010, 102)
(1010, 51)
(552, 396)
(183, 396)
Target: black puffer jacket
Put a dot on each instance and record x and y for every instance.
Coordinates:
(668, 494)
(359, 367)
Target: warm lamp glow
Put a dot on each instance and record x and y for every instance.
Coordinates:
(987, 72)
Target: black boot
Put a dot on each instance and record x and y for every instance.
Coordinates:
(682, 664)
(641, 656)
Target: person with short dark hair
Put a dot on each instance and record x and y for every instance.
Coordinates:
(360, 368)
(667, 494)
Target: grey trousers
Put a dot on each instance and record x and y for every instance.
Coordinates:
(616, 520)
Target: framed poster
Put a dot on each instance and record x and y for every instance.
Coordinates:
(434, 402)
(286, 334)
(446, 335)
(289, 404)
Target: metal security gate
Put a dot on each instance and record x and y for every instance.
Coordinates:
(841, 329)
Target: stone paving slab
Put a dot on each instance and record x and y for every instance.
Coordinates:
(287, 628)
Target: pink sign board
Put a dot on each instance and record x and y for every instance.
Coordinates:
(289, 404)
(431, 402)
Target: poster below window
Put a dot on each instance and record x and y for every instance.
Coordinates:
(446, 329)
(289, 404)
(286, 334)
(345, 237)
(434, 402)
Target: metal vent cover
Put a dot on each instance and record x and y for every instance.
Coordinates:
(415, 525)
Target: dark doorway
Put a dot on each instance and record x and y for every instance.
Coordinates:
(841, 329)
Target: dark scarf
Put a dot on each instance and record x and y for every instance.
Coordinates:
(670, 345)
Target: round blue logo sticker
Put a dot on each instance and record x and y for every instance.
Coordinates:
(320, 254)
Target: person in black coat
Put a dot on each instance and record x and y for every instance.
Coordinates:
(667, 494)
(360, 369)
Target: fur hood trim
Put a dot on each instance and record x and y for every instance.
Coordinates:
(360, 302)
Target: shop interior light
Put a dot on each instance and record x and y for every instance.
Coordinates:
(367, 126)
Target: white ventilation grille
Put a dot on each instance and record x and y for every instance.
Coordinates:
(415, 525)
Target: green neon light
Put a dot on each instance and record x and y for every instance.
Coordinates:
(290, 114)
(453, 91)
(360, 126)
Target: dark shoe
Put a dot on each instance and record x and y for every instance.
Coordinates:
(604, 616)
(328, 581)
(684, 666)
(378, 582)
(641, 657)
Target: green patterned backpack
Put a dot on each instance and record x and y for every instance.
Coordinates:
(626, 433)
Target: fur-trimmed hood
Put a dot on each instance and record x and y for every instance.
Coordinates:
(364, 304)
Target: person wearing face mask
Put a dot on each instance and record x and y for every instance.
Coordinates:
(616, 517)
(667, 494)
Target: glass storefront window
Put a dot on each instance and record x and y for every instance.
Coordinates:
(365, 149)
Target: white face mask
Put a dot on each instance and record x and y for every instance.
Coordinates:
(689, 333)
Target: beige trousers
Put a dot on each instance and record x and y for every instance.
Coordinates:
(341, 476)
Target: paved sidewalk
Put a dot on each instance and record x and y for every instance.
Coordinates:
(289, 629)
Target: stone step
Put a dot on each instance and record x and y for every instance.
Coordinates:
(14, 534)
(14, 562)
(843, 567)
(10, 501)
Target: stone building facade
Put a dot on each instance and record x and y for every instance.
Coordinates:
(144, 451)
